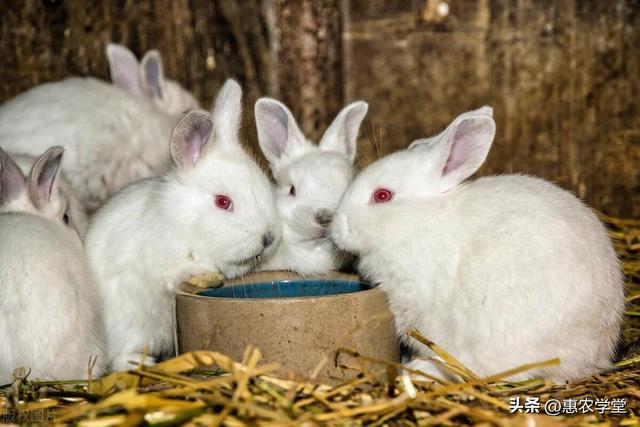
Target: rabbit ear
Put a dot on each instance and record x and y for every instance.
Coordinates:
(43, 177)
(227, 113)
(123, 68)
(342, 135)
(277, 129)
(190, 138)
(463, 147)
(152, 74)
(12, 181)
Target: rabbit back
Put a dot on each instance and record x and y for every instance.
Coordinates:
(49, 303)
(110, 137)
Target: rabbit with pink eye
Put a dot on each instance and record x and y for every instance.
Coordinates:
(146, 78)
(112, 136)
(500, 271)
(213, 212)
(49, 306)
(310, 180)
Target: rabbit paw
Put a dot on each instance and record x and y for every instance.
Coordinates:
(207, 280)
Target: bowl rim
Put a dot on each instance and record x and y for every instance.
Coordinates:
(366, 286)
(189, 291)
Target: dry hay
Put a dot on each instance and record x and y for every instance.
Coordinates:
(180, 391)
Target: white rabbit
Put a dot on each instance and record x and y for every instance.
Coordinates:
(213, 212)
(310, 180)
(111, 137)
(147, 78)
(500, 271)
(49, 306)
(71, 212)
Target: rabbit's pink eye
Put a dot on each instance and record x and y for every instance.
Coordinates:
(224, 202)
(292, 191)
(382, 195)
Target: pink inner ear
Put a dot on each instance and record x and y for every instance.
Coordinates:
(196, 142)
(46, 179)
(463, 145)
(189, 138)
(152, 76)
(194, 148)
(455, 160)
(273, 123)
(12, 181)
(276, 128)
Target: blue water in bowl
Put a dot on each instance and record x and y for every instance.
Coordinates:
(288, 289)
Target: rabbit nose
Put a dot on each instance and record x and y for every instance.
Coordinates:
(323, 217)
(267, 239)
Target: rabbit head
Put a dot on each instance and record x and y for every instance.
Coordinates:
(39, 193)
(310, 179)
(147, 78)
(221, 197)
(425, 173)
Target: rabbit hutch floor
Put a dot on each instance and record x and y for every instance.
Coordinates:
(182, 391)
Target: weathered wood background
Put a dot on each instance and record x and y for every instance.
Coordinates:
(562, 76)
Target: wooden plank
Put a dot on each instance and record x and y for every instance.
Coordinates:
(562, 78)
(531, 89)
(202, 43)
(308, 47)
(417, 75)
(606, 104)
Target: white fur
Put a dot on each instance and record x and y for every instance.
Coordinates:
(147, 79)
(500, 271)
(49, 306)
(155, 233)
(319, 173)
(111, 137)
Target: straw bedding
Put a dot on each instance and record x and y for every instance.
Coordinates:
(182, 391)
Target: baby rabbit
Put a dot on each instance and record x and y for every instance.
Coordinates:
(147, 79)
(111, 137)
(499, 271)
(213, 212)
(71, 212)
(49, 310)
(310, 180)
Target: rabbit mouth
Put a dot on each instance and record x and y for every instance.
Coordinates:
(319, 236)
(322, 233)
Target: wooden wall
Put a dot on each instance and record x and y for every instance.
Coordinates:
(563, 76)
